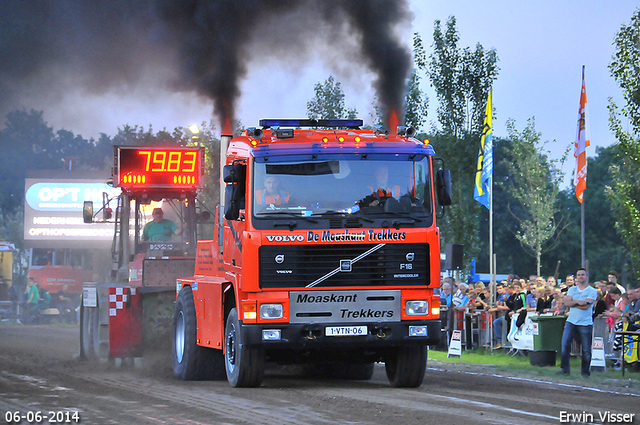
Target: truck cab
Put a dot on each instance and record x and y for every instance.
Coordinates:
(328, 253)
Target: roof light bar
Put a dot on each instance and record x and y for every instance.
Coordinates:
(348, 123)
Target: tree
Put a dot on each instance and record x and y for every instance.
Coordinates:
(27, 142)
(328, 102)
(416, 101)
(624, 193)
(444, 73)
(209, 195)
(604, 248)
(462, 79)
(534, 186)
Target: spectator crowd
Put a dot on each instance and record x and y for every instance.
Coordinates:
(537, 295)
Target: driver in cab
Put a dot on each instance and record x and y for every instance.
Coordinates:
(382, 189)
(272, 194)
(160, 229)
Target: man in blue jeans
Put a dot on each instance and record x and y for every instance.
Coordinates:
(580, 299)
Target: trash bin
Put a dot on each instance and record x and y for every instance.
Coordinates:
(547, 339)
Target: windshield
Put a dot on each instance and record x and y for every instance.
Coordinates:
(360, 188)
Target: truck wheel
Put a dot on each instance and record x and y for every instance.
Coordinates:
(245, 366)
(90, 332)
(406, 366)
(190, 361)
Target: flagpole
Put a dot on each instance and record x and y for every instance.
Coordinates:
(491, 261)
(582, 231)
(582, 242)
(492, 270)
(483, 187)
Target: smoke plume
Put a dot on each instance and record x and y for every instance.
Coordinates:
(52, 47)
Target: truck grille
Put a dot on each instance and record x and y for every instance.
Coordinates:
(320, 266)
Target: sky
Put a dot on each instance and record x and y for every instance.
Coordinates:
(541, 45)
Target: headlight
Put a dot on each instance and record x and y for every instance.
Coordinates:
(416, 308)
(271, 335)
(271, 311)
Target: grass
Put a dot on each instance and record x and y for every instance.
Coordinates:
(499, 362)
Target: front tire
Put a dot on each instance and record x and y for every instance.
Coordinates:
(245, 366)
(190, 361)
(406, 366)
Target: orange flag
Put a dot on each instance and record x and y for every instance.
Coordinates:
(582, 141)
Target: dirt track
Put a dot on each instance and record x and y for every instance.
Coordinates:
(38, 371)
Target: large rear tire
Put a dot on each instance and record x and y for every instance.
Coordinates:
(245, 366)
(90, 332)
(406, 366)
(190, 361)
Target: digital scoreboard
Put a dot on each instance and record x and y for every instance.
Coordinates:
(179, 168)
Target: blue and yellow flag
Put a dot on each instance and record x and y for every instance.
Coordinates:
(482, 190)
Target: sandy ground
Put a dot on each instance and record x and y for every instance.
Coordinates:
(39, 371)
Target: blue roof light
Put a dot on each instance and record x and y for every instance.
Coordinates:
(348, 123)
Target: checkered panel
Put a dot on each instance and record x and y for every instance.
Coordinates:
(118, 297)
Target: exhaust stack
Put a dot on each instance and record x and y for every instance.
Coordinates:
(224, 145)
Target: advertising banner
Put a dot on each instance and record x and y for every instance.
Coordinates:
(53, 211)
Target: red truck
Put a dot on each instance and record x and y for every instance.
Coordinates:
(327, 253)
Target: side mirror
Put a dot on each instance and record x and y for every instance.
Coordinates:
(233, 201)
(235, 173)
(87, 211)
(443, 187)
(235, 176)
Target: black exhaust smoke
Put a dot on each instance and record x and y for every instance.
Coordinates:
(55, 47)
(375, 21)
(211, 38)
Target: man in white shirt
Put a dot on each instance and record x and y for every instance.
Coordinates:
(579, 299)
(612, 277)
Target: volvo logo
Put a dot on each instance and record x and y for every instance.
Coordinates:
(345, 265)
(280, 258)
(410, 256)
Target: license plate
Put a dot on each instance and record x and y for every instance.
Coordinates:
(345, 330)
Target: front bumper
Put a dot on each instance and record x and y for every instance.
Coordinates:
(312, 336)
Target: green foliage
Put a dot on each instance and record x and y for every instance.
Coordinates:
(462, 79)
(460, 224)
(624, 193)
(625, 67)
(27, 142)
(328, 102)
(533, 184)
(416, 101)
(444, 73)
(208, 196)
(603, 249)
(479, 70)
(12, 227)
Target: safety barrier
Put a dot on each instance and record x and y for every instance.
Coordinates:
(476, 326)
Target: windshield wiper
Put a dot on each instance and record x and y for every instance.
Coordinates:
(398, 214)
(330, 214)
(289, 214)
